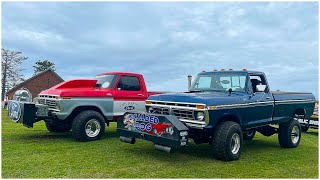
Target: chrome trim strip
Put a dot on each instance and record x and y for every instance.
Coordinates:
(245, 104)
(195, 126)
(175, 107)
(48, 95)
(261, 104)
(194, 122)
(56, 110)
(296, 100)
(176, 102)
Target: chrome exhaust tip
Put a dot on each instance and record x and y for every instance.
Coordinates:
(127, 140)
(166, 149)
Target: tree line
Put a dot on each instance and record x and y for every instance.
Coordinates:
(11, 74)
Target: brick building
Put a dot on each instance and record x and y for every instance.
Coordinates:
(37, 83)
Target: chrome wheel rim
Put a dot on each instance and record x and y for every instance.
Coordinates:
(235, 143)
(92, 128)
(295, 134)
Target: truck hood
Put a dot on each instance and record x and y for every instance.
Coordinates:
(207, 98)
(76, 88)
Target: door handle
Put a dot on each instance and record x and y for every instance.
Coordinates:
(139, 94)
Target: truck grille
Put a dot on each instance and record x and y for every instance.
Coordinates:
(179, 113)
(48, 100)
(185, 112)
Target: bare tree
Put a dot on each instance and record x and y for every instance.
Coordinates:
(42, 66)
(11, 70)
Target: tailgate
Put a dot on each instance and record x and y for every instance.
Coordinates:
(160, 129)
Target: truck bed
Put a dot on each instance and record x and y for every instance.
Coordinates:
(286, 103)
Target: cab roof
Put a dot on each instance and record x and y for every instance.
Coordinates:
(120, 73)
(228, 71)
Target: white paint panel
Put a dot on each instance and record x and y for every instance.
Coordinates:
(120, 107)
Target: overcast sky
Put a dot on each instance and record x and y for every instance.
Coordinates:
(167, 41)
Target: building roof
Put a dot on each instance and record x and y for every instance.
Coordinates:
(33, 77)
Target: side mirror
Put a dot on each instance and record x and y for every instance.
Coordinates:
(261, 88)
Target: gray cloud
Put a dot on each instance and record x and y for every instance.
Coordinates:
(168, 41)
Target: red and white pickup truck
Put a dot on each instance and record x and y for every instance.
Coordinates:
(84, 106)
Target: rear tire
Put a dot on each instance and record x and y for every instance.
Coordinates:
(289, 134)
(58, 127)
(227, 141)
(88, 126)
(248, 136)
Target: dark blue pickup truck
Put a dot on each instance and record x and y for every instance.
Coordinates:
(223, 108)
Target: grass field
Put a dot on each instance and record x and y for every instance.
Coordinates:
(37, 153)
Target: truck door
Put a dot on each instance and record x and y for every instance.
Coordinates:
(129, 95)
(260, 103)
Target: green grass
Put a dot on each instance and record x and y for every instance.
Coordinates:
(37, 153)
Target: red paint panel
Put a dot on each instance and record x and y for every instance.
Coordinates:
(85, 88)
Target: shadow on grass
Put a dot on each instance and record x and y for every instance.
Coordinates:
(203, 151)
(312, 133)
(40, 135)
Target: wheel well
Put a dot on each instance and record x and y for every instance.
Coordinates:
(229, 118)
(299, 111)
(79, 109)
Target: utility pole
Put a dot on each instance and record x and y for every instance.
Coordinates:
(189, 81)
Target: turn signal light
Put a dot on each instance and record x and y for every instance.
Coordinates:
(203, 70)
(148, 102)
(244, 69)
(200, 106)
(231, 69)
(212, 107)
(222, 69)
(66, 97)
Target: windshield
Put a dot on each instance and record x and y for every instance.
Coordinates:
(219, 82)
(106, 80)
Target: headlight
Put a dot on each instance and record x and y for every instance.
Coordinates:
(200, 116)
(150, 110)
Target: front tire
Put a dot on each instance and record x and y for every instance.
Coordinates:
(88, 126)
(289, 134)
(58, 127)
(227, 141)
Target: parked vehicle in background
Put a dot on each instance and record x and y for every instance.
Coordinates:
(222, 108)
(84, 106)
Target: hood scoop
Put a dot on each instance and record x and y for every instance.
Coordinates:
(78, 83)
